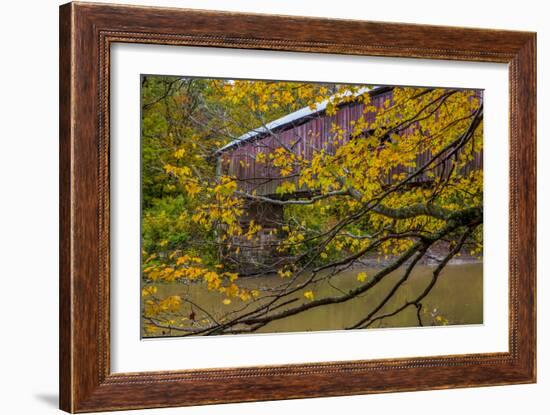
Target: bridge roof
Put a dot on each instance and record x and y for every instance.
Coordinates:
(289, 119)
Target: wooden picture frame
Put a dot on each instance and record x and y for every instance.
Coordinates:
(86, 33)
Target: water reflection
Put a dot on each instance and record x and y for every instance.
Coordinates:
(457, 298)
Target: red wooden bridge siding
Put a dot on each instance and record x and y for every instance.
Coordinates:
(306, 136)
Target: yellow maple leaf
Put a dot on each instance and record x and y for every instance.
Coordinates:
(149, 291)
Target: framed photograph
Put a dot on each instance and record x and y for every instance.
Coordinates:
(253, 208)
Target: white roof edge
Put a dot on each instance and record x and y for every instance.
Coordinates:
(287, 119)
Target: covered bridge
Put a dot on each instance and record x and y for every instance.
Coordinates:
(305, 132)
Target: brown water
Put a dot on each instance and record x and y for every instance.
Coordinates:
(457, 298)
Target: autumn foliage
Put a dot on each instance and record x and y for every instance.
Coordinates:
(338, 206)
